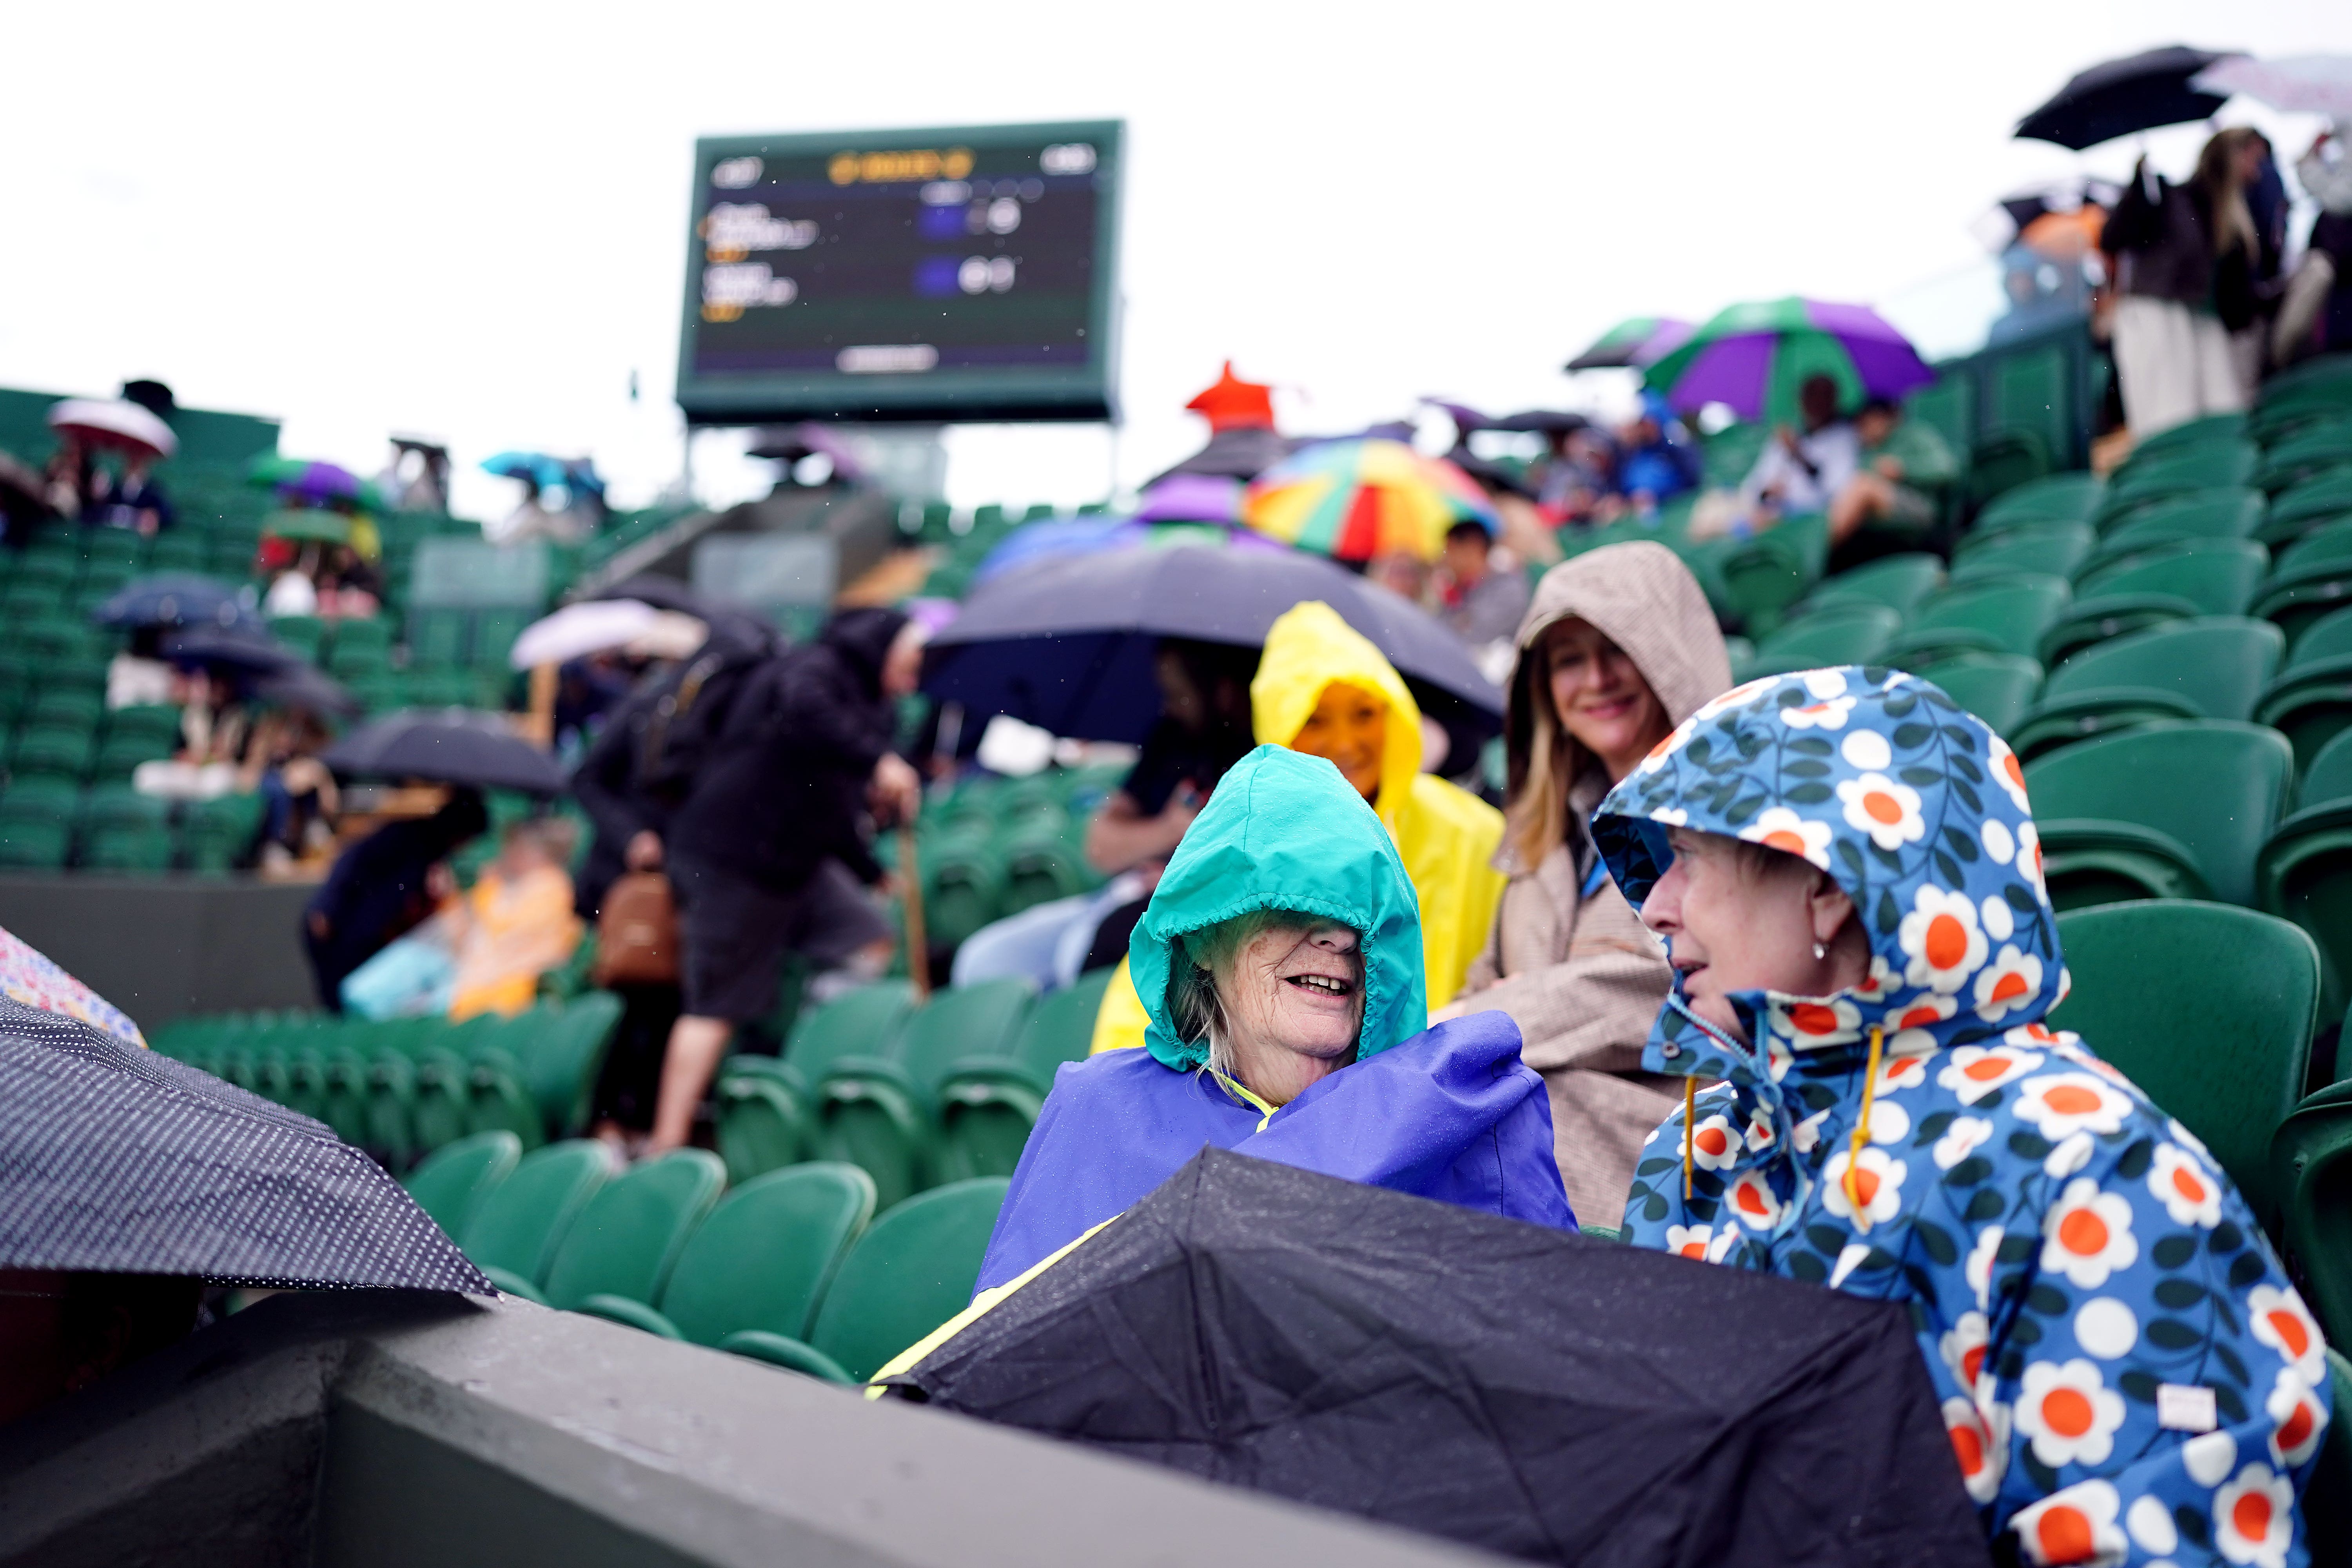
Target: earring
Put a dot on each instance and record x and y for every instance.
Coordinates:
(1820, 952)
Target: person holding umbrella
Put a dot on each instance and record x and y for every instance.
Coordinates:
(1849, 879)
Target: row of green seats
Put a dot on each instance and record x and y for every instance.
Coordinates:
(792, 1267)
(915, 1096)
(46, 822)
(401, 1087)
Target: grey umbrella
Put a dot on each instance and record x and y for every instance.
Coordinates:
(447, 745)
(115, 1160)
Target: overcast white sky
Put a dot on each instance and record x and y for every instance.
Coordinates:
(467, 220)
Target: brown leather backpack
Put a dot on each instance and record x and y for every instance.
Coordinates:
(636, 933)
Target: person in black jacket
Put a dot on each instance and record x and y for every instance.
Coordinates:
(766, 852)
(377, 890)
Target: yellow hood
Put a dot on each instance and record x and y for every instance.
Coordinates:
(1308, 648)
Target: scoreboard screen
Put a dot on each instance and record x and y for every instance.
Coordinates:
(960, 274)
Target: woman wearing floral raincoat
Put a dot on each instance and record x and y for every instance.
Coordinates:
(2126, 1373)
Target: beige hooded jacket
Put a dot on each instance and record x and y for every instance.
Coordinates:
(1581, 976)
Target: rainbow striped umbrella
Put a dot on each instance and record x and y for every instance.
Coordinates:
(1354, 500)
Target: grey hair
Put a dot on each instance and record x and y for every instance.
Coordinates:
(1196, 1007)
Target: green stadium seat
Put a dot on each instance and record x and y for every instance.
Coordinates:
(65, 707)
(515, 1231)
(562, 1055)
(630, 1233)
(2311, 1174)
(455, 1178)
(437, 638)
(963, 890)
(2321, 549)
(2004, 461)
(216, 834)
(2210, 466)
(2300, 597)
(763, 1116)
(2008, 615)
(390, 1080)
(2174, 809)
(2208, 1009)
(1898, 582)
(2213, 666)
(1041, 864)
(861, 1023)
(758, 1264)
(987, 1108)
(359, 646)
(303, 634)
(1998, 687)
(1764, 575)
(2307, 506)
(442, 1110)
(346, 1093)
(177, 552)
(2237, 514)
(911, 1271)
(2052, 548)
(2305, 456)
(1848, 633)
(2217, 575)
(2178, 438)
(51, 751)
(33, 842)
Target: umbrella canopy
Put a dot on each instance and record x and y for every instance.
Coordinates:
(541, 469)
(1357, 499)
(2300, 84)
(1755, 356)
(2060, 219)
(123, 1162)
(1191, 498)
(32, 977)
(1535, 1393)
(306, 687)
(2116, 97)
(1242, 452)
(308, 522)
(1067, 644)
(175, 599)
(575, 631)
(240, 651)
(447, 745)
(112, 422)
(315, 484)
(1634, 341)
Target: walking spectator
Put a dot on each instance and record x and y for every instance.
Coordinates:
(2186, 265)
(1481, 600)
(517, 922)
(1619, 647)
(766, 853)
(378, 890)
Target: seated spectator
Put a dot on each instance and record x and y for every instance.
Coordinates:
(1888, 1112)
(414, 975)
(1659, 459)
(1876, 492)
(1482, 598)
(135, 501)
(380, 889)
(517, 922)
(214, 726)
(1619, 647)
(1287, 1035)
(350, 587)
(69, 477)
(297, 791)
(1801, 471)
(1580, 479)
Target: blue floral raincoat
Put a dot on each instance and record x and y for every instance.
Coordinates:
(2126, 1373)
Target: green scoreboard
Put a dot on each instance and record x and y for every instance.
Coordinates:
(965, 273)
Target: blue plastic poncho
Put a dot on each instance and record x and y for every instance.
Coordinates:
(1447, 1112)
(2126, 1374)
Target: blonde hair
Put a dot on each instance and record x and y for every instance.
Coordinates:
(1535, 814)
(2225, 194)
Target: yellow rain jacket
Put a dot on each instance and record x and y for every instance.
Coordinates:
(1446, 837)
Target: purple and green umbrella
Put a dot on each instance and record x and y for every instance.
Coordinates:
(304, 482)
(1634, 341)
(1754, 357)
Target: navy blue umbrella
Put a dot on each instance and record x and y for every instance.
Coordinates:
(447, 745)
(175, 599)
(2116, 97)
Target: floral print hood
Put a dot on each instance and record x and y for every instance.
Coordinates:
(2126, 1372)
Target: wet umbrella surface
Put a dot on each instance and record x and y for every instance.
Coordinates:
(447, 745)
(1544, 1395)
(115, 1160)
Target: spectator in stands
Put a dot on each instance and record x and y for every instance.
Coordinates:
(378, 890)
(1802, 471)
(1618, 648)
(298, 796)
(1201, 730)
(1886, 1112)
(517, 922)
(766, 852)
(69, 476)
(1579, 479)
(215, 727)
(2316, 316)
(1480, 599)
(133, 502)
(2186, 259)
(1288, 1034)
(1876, 492)
(1659, 461)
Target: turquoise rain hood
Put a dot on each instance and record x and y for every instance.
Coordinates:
(1286, 831)
(2126, 1373)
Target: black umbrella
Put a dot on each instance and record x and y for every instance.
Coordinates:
(176, 599)
(122, 1162)
(1066, 643)
(306, 686)
(1545, 421)
(1242, 453)
(447, 745)
(2119, 97)
(1535, 1393)
(231, 651)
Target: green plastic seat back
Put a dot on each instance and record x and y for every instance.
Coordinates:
(1061, 1027)
(2194, 433)
(2066, 498)
(910, 1272)
(2311, 1169)
(963, 1022)
(763, 1118)
(1998, 687)
(2052, 548)
(2014, 611)
(1844, 633)
(2208, 1009)
(2214, 786)
(2217, 575)
(865, 1022)
(628, 1235)
(963, 890)
(1765, 575)
(2219, 663)
(2329, 777)
(2330, 545)
(2223, 514)
(455, 1178)
(761, 1257)
(562, 1052)
(2330, 637)
(2204, 467)
(519, 1226)
(1898, 582)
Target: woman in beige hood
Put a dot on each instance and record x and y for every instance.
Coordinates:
(1618, 647)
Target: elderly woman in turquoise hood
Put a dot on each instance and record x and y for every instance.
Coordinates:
(1447, 1112)
(1847, 873)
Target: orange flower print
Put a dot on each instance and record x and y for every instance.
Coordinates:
(2283, 1323)
(1976, 1071)
(1808, 1024)
(2087, 1234)
(2012, 980)
(2068, 1412)
(2072, 1524)
(2029, 860)
(1964, 1346)
(1962, 1138)
(1750, 1197)
(1924, 1011)
(1674, 740)
(1877, 1184)
(2188, 1194)
(1689, 1240)
(1830, 703)
(1715, 1145)
(1888, 812)
(2061, 1104)
(1746, 692)
(1941, 938)
(2298, 1418)
(1782, 829)
(1983, 1453)
(2254, 1516)
(2007, 771)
